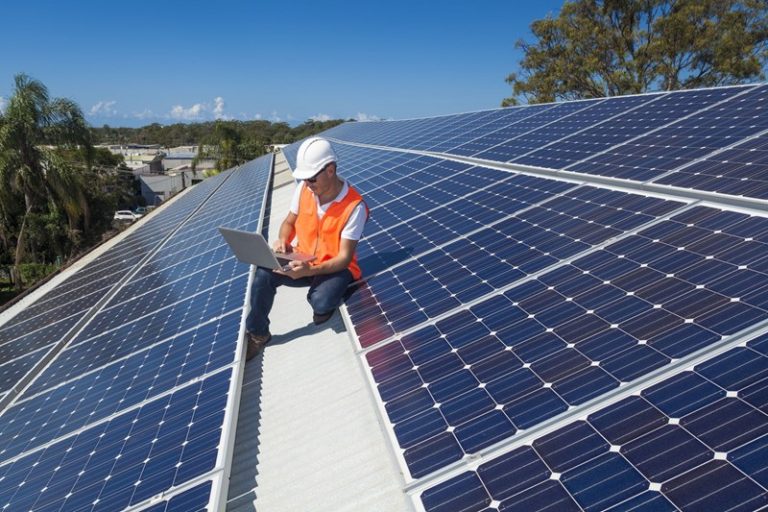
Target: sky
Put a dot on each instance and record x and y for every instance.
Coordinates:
(140, 62)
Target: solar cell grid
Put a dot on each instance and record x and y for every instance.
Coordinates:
(566, 337)
(650, 156)
(672, 109)
(538, 140)
(12, 371)
(495, 121)
(51, 317)
(36, 339)
(463, 124)
(696, 441)
(567, 153)
(210, 340)
(563, 123)
(441, 185)
(116, 387)
(175, 265)
(142, 364)
(486, 259)
(428, 129)
(398, 133)
(90, 292)
(126, 460)
(741, 170)
(490, 146)
(47, 317)
(172, 312)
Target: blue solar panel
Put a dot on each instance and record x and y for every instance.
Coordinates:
(670, 147)
(126, 460)
(695, 441)
(165, 341)
(514, 360)
(741, 171)
(490, 146)
(489, 255)
(564, 125)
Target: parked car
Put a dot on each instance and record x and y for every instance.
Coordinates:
(127, 215)
(141, 210)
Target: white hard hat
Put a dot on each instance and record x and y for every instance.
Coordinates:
(314, 154)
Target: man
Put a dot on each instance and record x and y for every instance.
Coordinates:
(326, 217)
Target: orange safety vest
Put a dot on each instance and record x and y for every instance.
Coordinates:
(322, 237)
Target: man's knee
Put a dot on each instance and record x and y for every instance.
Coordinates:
(263, 277)
(323, 302)
(327, 292)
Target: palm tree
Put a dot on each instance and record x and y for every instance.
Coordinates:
(32, 127)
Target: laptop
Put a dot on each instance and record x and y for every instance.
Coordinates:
(253, 248)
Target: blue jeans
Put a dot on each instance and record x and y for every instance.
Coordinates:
(325, 294)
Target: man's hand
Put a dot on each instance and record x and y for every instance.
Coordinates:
(298, 270)
(281, 246)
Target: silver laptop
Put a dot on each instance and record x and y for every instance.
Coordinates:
(252, 248)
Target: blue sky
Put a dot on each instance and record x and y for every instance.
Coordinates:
(133, 63)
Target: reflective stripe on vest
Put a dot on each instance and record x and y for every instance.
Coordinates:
(322, 237)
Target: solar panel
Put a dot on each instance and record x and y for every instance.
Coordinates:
(663, 150)
(740, 170)
(694, 441)
(135, 404)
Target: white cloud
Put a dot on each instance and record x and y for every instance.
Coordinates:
(145, 114)
(103, 109)
(218, 108)
(274, 117)
(3, 104)
(320, 117)
(200, 111)
(258, 117)
(365, 117)
(196, 111)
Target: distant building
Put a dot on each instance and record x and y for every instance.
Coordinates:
(157, 188)
(145, 163)
(184, 156)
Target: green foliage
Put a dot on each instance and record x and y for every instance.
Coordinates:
(260, 133)
(33, 174)
(57, 193)
(597, 48)
(33, 272)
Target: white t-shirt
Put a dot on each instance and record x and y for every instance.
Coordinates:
(353, 229)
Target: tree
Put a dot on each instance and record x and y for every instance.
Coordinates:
(597, 48)
(36, 173)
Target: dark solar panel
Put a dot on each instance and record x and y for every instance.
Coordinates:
(155, 360)
(696, 441)
(741, 170)
(127, 459)
(681, 142)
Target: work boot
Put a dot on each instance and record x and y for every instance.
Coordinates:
(256, 343)
(322, 318)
